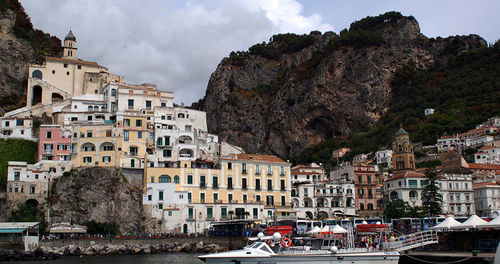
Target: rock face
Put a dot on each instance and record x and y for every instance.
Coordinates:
(20, 45)
(100, 194)
(282, 104)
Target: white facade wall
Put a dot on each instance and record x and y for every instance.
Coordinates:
(458, 196)
(487, 199)
(16, 128)
(384, 157)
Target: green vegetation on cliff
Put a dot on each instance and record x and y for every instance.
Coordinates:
(15, 150)
(464, 92)
(43, 44)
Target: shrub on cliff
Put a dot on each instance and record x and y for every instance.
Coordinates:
(14, 150)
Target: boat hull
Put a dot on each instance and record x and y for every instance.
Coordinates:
(376, 258)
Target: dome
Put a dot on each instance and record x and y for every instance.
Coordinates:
(401, 131)
(70, 36)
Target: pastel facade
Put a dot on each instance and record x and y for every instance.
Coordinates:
(133, 141)
(488, 155)
(384, 158)
(457, 193)
(54, 143)
(96, 144)
(365, 182)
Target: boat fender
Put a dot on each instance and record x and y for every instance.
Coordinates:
(286, 242)
(334, 249)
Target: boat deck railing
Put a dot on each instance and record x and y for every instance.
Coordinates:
(413, 240)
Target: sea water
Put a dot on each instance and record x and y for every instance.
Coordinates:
(183, 258)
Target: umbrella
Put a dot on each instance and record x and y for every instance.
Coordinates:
(315, 230)
(472, 222)
(448, 223)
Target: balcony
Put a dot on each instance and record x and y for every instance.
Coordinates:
(47, 151)
(218, 201)
(244, 172)
(203, 185)
(244, 187)
(257, 188)
(230, 186)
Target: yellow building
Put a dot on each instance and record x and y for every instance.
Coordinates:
(95, 144)
(403, 158)
(244, 186)
(134, 139)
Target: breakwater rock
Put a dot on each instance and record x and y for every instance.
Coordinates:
(48, 253)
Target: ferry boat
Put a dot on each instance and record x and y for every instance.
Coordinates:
(322, 247)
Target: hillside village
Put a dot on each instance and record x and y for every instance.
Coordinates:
(82, 116)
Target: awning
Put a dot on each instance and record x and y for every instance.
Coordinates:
(11, 231)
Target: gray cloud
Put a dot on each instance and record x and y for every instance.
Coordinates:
(175, 45)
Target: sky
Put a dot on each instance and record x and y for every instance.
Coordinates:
(178, 44)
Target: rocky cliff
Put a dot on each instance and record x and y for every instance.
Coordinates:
(20, 45)
(295, 91)
(100, 194)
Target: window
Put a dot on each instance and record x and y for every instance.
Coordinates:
(169, 213)
(202, 197)
(413, 183)
(125, 135)
(106, 159)
(133, 151)
(49, 134)
(89, 133)
(216, 197)
(108, 133)
(370, 195)
(283, 200)
(190, 213)
(243, 183)
(139, 134)
(215, 182)
(269, 185)
(230, 183)
(152, 179)
(164, 179)
(19, 122)
(126, 122)
(269, 170)
(65, 65)
(17, 176)
(138, 123)
(190, 179)
(90, 108)
(202, 180)
(230, 197)
(257, 184)
(282, 185)
(244, 168)
(36, 176)
(223, 213)
(360, 179)
(163, 104)
(245, 198)
(160, 195)
(130, 104)
(257, 198)
(229, 166)
(257, 169)
(210, 214)
(282, 171)
(132, 163)
(176, 179)
(368, 179)
(148, 104)
(150, 197)
(87, 159)
(167, 153)
(189, 197)
(113, 92)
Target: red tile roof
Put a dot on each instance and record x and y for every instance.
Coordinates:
(74, 61)
(479, 166)
(258, 157)
(407, 174)
(484, 184)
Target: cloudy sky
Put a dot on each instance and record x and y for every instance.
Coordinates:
(178, 44)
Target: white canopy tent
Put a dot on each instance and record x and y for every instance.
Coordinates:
(315, 230)
(339, 230)
(473, 222)
(448, 223)
(493, 223)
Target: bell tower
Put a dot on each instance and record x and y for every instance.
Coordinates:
(403, 157)
(69, 48)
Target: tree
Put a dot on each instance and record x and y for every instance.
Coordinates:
(418, 212)
(431, 199)
(397, 209)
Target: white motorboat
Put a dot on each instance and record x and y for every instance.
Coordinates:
(261, 253)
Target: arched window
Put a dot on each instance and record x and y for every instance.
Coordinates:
(90, 108)
(361, 206)
(176, 179)
(165, 179)
(400, 163)
(370, 206)
(36, 74)
(37, 95)
(413, 195)
(181, 115)
(394, 195)
(96, 108)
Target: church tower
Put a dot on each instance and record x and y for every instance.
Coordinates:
(403, 157)
(69, 48)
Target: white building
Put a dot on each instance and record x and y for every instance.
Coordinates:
(314, 196)
(384, 157)
(429, 111)
(458, 196)
(487, 199)
(161, 201)
(16, 128)
(407, 186)
(488, 155)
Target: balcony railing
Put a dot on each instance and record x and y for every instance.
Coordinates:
(202, 185)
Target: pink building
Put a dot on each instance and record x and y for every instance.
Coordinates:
(54, 143)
